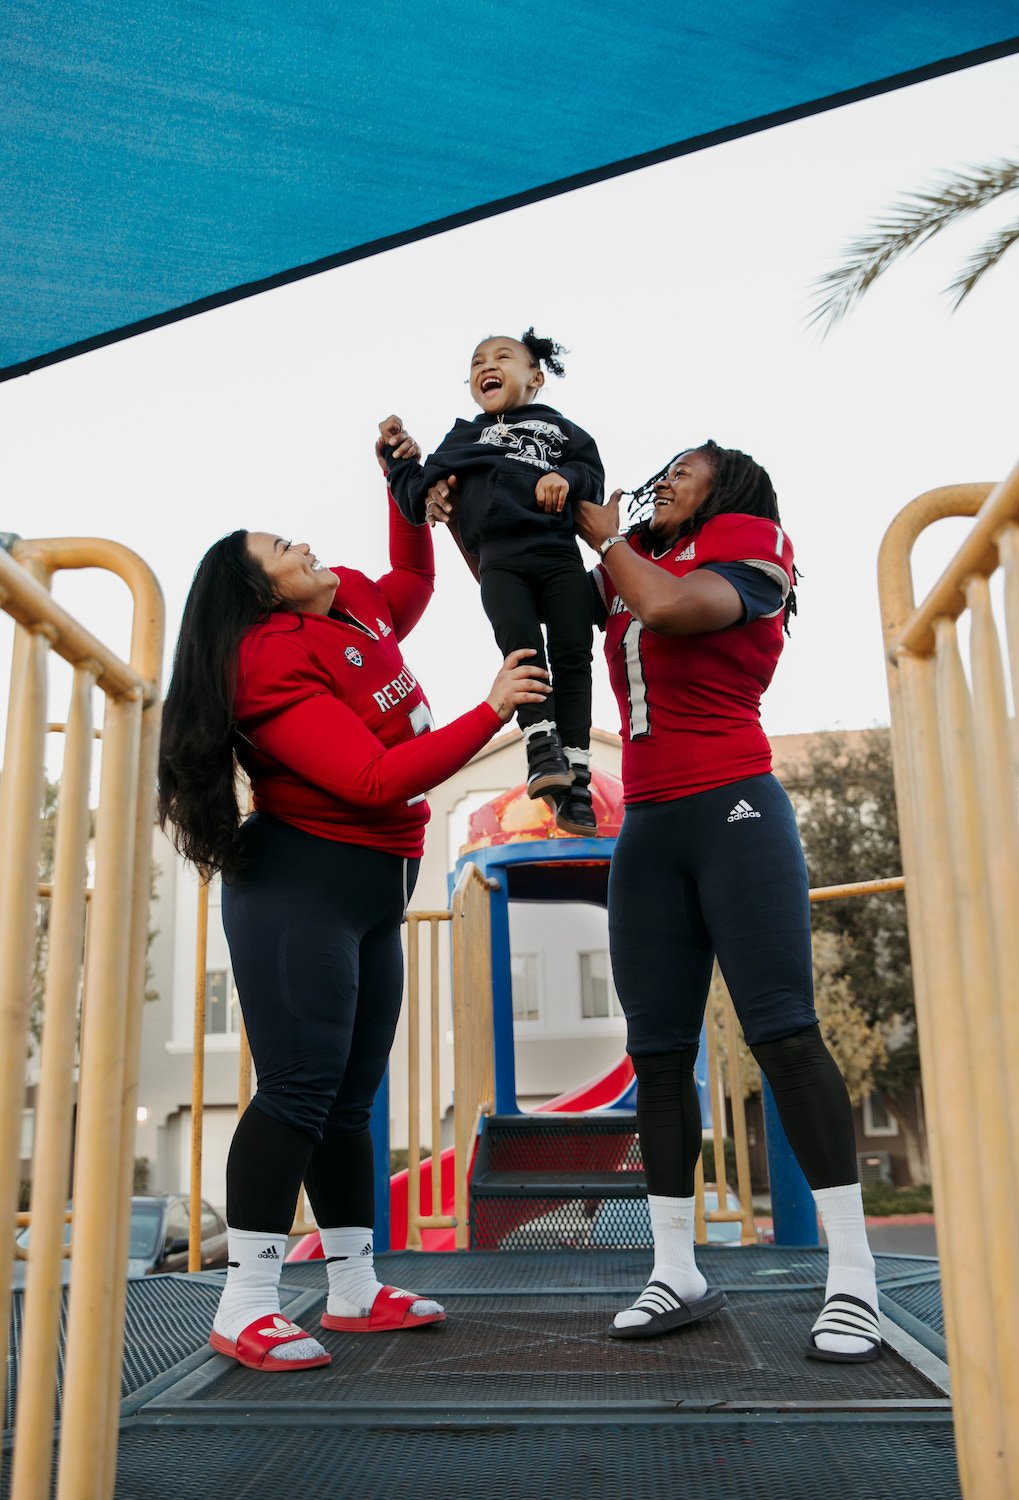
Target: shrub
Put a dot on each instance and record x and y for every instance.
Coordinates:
(398, 1158)
(708, 1158)
(880, 1200)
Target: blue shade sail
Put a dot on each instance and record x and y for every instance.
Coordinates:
(158, 160)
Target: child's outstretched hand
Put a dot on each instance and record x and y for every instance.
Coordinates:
(392, 435)
(550, 493)
(439, 504)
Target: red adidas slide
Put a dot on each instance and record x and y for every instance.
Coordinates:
(390, 1310)
(255, 1345)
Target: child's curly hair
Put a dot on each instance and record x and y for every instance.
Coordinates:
(544, 351)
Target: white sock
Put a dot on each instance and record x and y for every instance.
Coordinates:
(672, 1229)
(350, 1267)
(255, 1261)
(577, 757)
(547, 726)
(850, 1263)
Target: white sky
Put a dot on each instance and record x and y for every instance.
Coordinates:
(680, 291)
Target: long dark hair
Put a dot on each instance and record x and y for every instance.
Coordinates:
(740, 485)
(197, 771)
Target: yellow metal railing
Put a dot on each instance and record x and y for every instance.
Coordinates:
(955, 774)
(111, 1007)
(473, 1039)
(723, 1214)
(417, 1216)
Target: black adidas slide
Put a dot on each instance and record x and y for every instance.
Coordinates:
(852, 1318)
(667, 1312)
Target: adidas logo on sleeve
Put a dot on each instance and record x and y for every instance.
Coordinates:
(742, 810)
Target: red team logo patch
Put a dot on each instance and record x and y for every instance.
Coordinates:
(354, 656)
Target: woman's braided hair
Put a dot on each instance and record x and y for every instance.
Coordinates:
(740, 486)
(544, 351)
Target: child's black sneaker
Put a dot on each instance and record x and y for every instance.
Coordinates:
(574, 809)
(547, 769)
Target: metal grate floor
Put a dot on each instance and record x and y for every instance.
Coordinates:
(522, 1393)
(167, 1320)
(759, 1268)
(724, 1459)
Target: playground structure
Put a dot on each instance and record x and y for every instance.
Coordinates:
(953, 742)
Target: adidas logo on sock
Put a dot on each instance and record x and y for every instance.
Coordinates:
(270, 1254)
(367, 1249)
(742, 810)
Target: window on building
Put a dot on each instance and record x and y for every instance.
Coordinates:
(598, 998)
(877, 1120)
(525, 977)
(222, 1013)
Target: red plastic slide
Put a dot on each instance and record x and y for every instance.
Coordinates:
(613, 1089)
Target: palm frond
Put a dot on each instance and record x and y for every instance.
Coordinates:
(982, 259)
(903, 228)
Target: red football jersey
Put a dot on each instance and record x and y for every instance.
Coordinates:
(690, 705)
(332, 722)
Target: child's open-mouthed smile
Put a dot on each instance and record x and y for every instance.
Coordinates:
(503, 375)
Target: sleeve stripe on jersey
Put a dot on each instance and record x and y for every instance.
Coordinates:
(771, 570)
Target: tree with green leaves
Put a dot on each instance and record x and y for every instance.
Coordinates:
(911, 222)
(845, 806)
(856, 1042)
(844, 797)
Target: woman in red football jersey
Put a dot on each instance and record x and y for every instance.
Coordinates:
(709, 864)
(294, 672)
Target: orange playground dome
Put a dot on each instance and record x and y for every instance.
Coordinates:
(513, 816)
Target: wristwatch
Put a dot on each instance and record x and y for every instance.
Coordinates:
(610, 541)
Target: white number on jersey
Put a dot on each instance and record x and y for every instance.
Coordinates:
(421, 721)
(636, 687)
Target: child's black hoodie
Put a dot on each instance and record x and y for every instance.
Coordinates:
(498, 460)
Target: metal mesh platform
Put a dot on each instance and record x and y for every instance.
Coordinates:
(167, 1320)
(521, 1392)
(923, 1301)
(726, 1459)
(549, 1182)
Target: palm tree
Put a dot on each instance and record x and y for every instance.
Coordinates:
(910, 223)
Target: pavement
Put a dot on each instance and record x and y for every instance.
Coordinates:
(898, 1234)
(905, 1234)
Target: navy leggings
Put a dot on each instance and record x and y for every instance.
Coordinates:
(517, 596)
(314, 933)
(721, 873)
(701, 876)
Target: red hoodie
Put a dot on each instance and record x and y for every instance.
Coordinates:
(333, 728)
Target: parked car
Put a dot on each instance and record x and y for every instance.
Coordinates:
(609, 1224)
(614, 1223)
(159, 1238)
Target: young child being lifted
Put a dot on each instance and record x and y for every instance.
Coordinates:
(505, 483)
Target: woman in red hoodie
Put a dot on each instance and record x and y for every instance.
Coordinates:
(294, 671)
